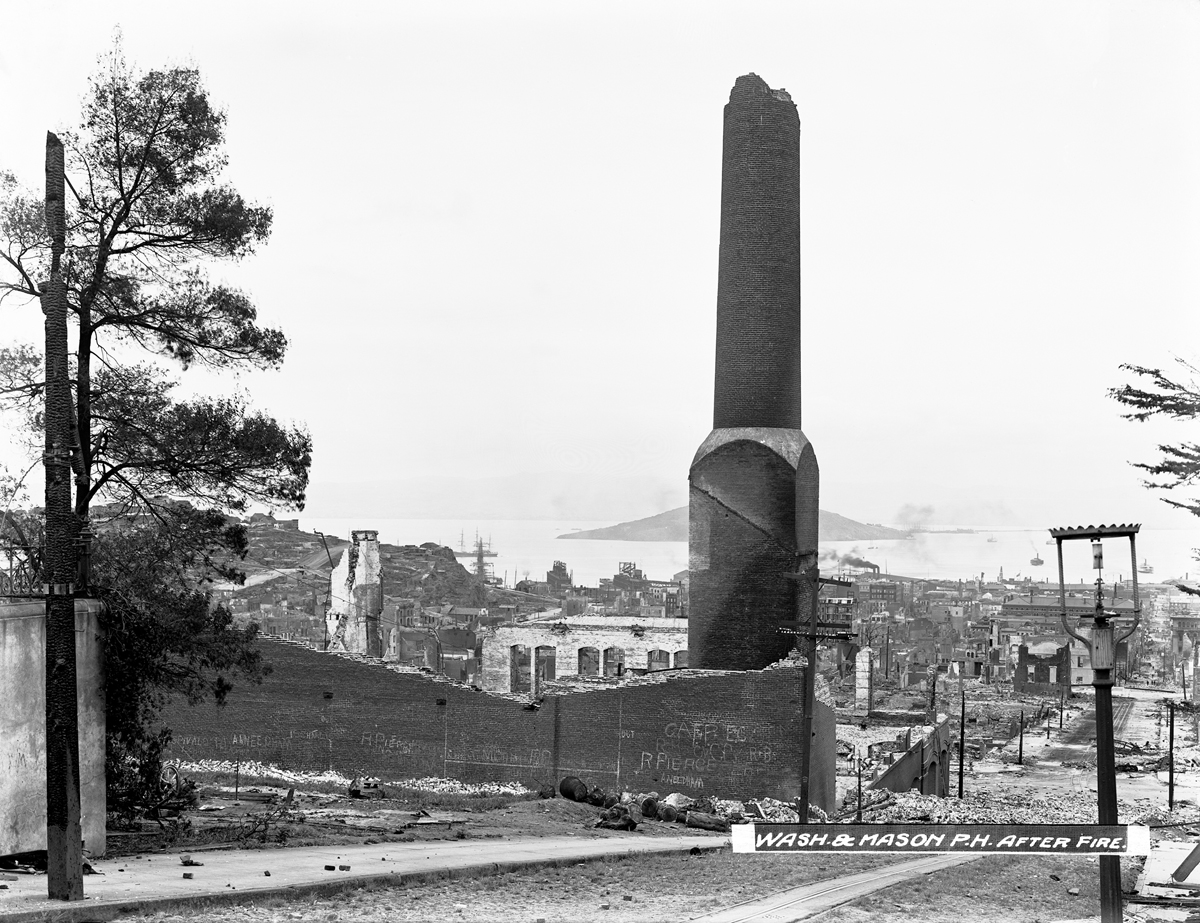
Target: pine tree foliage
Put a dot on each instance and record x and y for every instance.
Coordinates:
(1164, 396)
(149, 216)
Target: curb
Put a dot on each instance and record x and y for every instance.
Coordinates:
(84, 912)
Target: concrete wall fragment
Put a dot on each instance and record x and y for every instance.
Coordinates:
(23, 725)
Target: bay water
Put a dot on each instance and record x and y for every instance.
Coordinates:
(529, 548)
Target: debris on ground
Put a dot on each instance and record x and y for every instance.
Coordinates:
(703, 821)
(431, 784)
(365, 788)
(989, 807)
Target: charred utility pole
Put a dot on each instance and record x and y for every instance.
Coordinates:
(962, 740)
(64, 847)
(1171, 759)
(808, 627)
(1102, 646)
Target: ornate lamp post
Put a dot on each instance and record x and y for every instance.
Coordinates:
(1102, 646)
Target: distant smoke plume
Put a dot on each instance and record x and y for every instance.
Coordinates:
(851, 559)
(912, 517)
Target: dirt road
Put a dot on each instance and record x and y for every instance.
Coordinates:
(809, 900)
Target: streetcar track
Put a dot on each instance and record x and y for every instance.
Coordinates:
(862, 883)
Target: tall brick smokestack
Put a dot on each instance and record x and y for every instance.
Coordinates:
(758, 282)
(754, 481)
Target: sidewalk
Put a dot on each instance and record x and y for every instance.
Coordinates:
(241, 874)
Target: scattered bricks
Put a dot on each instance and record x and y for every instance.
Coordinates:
(330, 868)
(605, 906)
(1074, 892)
(343, 868)
(187, 874)
(627, 897)
(267, 874)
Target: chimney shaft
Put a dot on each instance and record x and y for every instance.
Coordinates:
(754, 482)
(758, 283)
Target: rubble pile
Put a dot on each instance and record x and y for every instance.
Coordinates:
(252, 769)
(1185, 758)
(1016, 807)
(455, 787)
(853, 736)
(778, 812)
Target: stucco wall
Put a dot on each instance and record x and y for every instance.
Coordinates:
(23, 725)
(635, 638)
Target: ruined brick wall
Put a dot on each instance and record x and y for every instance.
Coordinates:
(727, 734)
(1032, 674)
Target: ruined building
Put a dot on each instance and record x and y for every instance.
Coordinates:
(753, 483)
(356, 597)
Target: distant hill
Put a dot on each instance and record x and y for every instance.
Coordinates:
(672, 526)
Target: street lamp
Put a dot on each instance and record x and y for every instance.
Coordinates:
(1102, 646)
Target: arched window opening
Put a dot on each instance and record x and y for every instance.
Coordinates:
(545, 662)
(658, 660)
(589, 661)
(519, 668)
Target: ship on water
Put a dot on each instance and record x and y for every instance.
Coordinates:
(1145, 568)
(479, 547)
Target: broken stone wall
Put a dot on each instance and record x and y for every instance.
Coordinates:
(698, 732)
(568, 638)
(356, 597)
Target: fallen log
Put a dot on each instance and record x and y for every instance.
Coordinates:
(703, 821)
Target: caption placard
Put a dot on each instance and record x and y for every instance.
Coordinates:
(1024, 839)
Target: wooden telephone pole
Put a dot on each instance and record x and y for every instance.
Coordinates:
(64, 846)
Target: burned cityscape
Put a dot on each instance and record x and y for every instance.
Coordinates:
(415, 650)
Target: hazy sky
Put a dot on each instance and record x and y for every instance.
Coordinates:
(496, 225)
